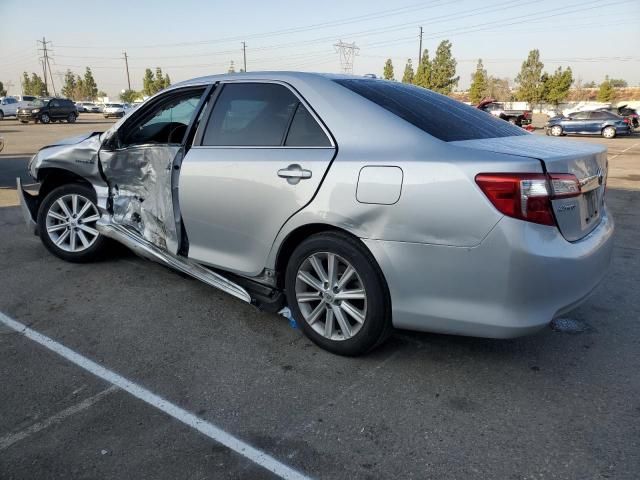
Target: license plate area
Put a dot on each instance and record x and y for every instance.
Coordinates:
(592, 205)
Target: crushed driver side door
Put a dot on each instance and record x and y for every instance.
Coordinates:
(141, 162)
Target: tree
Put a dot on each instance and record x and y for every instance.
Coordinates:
(90, 86)
(499, 89)
(556, 86)
(102, 94)
(167, 80)
(618, 83)
(129, 96)
(388, 70)
(33, 85)
(443, 69)
(69, 87)
(148, 83)
(479, 83)
(590, 84)
(3, 92)
(606, 93)
(407, 76)
(530, 79)
(423, 73)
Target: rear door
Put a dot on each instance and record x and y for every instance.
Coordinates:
(258, 159)
(597, 121)
(141, 162)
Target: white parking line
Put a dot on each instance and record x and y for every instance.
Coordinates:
(624, 151)
(189, 419)
(10, 439)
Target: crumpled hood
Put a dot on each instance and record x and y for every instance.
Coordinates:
(72, 140)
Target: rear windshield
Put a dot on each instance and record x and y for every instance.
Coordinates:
(438, 115)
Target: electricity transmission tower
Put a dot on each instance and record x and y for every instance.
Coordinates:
(46, 66)
(347, 52)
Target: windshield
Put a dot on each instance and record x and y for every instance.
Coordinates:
(438, 115)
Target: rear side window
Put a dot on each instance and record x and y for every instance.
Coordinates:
(305, 131)
(250, 114)
(438, 115)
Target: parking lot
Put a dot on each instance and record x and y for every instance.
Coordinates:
(562, 404)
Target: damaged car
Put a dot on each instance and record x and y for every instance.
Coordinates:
(361, 204)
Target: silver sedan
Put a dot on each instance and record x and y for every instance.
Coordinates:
(360, 204)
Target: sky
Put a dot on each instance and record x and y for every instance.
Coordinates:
(188, 38)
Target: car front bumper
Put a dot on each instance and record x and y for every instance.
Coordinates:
(520, 277)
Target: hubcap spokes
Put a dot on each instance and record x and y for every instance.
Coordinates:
(331, 296)
(71, 223)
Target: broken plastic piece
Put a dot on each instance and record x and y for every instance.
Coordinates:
(286, 313)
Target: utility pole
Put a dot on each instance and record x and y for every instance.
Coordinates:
(244, 55)
(420, 50)
(126, 63)
(347, 52)
(46, 65)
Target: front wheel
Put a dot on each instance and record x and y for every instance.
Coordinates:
(609, 132)
(67, 223)
(556, 130)
(44, 118)
(337, 294)
(1, 115)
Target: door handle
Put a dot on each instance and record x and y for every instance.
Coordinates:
(294, 173)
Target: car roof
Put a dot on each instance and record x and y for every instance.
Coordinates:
(266, 75)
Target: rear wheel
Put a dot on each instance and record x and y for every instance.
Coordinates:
(556, 130)
(44, 118)
(67, 223)
(337, 294)
(608, 132)
(71, 118)
(1, 115)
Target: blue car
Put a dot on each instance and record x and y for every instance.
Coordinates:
(588, 123)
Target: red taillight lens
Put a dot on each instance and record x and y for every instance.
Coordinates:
(527, 196)
(625, 120)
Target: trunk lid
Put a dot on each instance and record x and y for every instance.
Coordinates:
(576, 216)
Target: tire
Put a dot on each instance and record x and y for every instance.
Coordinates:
(609, 132)
(71, 118)
(1, 115)
(51, 217)
(556, 130)
(513, 121)
(313, 308)
(24, 121)
(44, 118)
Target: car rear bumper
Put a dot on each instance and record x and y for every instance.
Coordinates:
(515, 282)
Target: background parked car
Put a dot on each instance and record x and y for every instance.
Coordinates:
(625, 112)
(597, 122)
(115, 110)
(89, 107)
(47, 110)
(8, 107)
(497, 109)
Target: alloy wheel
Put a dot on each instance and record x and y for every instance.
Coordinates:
(44, 118)
(556, 130)
(71, 222)
(331, 296)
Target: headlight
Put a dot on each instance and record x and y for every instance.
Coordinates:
(35, 110)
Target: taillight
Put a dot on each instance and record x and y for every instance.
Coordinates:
(527, 196)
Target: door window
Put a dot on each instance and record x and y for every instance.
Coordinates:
(250, 114)
(580, 116)
(305, 131)
(165, 123)
(54, 103)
